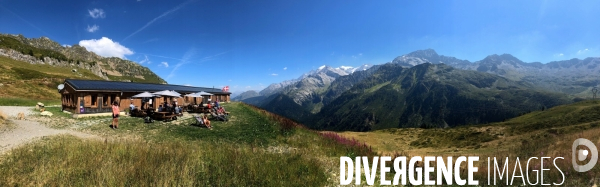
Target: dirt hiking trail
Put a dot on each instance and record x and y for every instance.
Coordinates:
(25, 131)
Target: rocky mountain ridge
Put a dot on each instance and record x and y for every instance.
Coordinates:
(508, 84)
(575, 77)
(430, 96)
(45, 51)
(302, 86)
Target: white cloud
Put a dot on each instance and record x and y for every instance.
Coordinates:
(285, 68)
(582, 51)
(188, 85)
(97, 13)
(165, 64)
(248, 87)
(93, 28)
(274, 74)
(145, 60)
(229, 80)
(559, 55)
(106, 47)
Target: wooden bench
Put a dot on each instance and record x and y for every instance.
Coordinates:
(164, 116)
(138, 113)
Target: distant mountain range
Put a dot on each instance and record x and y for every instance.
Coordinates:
(575, 77)
(430, 96)
(406, 92)
(303, 89)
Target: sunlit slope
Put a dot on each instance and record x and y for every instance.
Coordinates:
(35, 81)
(253, 148)
(524, 134)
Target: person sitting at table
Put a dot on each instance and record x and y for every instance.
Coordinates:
(131, 107)
(178, 110)
(207, 122)
(160, 108)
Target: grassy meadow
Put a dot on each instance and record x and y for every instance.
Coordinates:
(21, 80)
(258, 148)
(548, 133)
(254, 148)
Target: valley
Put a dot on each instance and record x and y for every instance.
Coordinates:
(424, 89)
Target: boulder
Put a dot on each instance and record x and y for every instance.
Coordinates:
(46, 113)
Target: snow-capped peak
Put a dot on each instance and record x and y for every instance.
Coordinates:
(363, 67)
(350, 69)
(344, 68)
(322, 67)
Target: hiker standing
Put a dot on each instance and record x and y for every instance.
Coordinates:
(115, 115)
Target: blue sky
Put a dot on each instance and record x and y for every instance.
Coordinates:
(251, 44)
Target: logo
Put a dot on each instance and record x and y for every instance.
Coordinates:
(582, 155)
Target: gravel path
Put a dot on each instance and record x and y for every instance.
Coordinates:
(25, 131)
(12, 111)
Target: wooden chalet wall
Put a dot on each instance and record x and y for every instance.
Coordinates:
(99, 101)
(69, 98)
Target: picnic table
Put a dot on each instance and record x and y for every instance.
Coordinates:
(199, 109)
(165, 116)
(136, 112)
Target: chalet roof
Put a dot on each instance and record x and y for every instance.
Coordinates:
(100, 85)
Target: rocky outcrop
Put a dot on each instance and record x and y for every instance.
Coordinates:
(43, 50)
(15, 55)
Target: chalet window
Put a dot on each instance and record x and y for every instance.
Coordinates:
(94, 100)
(87, 100)
(113, 97)
(105, 100)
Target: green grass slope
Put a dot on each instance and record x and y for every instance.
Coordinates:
(284, 105)
(34, 81)
(548, 133)
(254, 148)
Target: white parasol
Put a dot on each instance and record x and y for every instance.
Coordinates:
(144, 94)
